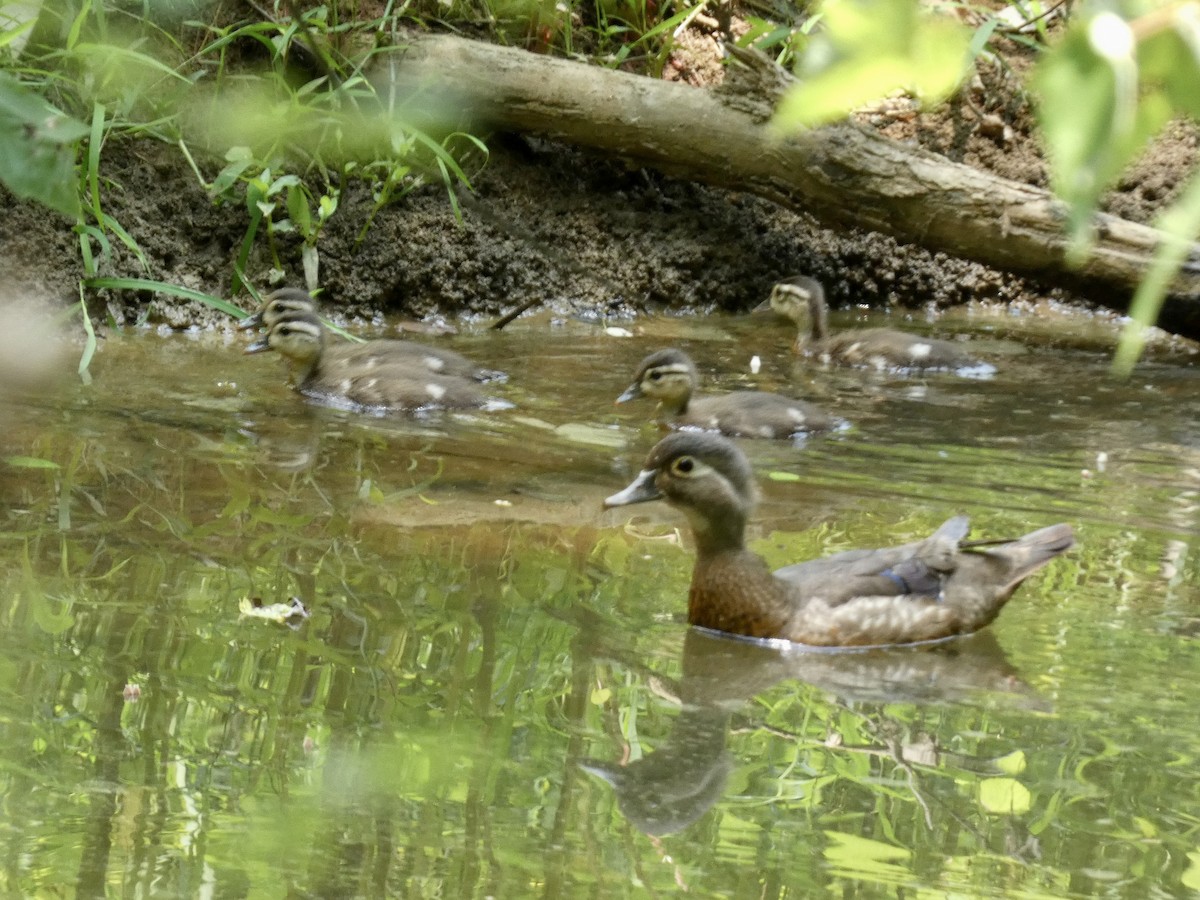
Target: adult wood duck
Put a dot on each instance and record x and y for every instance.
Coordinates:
(802, 299)
(357, 376)
(923, 591)
(670, 377)
(286, 301)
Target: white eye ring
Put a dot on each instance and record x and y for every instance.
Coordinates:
(685, 465)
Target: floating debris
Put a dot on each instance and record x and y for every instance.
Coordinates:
(283, 613)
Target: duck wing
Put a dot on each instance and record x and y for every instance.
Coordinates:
(919, 569)
(924, 591)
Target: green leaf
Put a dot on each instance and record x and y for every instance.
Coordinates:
(31, 462)
(239, 160)
(776, 475)
(1181, 224)
(1171, 58)
(1012, 763)
(1004, 796)
(1093, 115)
(174, 290)
(52, 617)
(37, 148)
(298, 211)
(1191, 875)
(867, 50)
(853, 853)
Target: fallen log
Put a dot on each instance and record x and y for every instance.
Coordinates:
(844, 175)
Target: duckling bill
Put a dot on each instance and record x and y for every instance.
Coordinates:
(922, 591)
(670, 377)
(802, 300)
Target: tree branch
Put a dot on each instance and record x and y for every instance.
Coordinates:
(845, 175)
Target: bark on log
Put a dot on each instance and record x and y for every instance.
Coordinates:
(844, 175)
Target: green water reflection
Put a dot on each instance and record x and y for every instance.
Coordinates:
(494, 694)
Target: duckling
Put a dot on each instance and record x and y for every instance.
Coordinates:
(440, 361)
(923, 591)
(802, 299)
(344, 375)
(670, 377)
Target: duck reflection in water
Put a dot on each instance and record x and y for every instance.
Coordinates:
(666, 791)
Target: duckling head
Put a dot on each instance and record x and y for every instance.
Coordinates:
(802, 300)
(298, 336)
(278, 304)
(668, 376)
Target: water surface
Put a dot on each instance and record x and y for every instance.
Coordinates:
(495, 693)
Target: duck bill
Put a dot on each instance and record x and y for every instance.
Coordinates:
(631, 393)
(251, 321)
(641, 490)
(259, 346)
(764, 307)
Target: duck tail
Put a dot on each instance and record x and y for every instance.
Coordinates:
(1028, 554)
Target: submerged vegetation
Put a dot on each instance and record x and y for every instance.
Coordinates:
(478, 705)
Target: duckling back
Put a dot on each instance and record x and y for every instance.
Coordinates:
(362, 376)
(671, 377)
(802, 300)
(289, 303)
(367, 381)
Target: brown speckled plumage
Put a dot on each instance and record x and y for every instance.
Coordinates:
(925, 590)
(802, 300)
(286, 302)
(670, 377)
(361, 376)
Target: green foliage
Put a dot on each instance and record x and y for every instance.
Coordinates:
(288, 139)
(866, 49)
(279, 139)
(1118, 76)
(289, 143)
(38, 144)
(1099, 104)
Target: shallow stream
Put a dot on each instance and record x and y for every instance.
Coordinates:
(495, 693)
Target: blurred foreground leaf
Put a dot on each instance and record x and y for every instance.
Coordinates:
(37, 148)
(1092, 113)
(1114, 81)
(867, 49)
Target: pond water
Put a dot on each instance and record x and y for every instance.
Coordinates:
(495, 693)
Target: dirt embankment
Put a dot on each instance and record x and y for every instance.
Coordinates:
(551, 223)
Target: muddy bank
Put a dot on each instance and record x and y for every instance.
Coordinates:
(547, 222)
(551, 224)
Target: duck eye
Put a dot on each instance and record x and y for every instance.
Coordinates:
(685, 465)
(656, 376)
